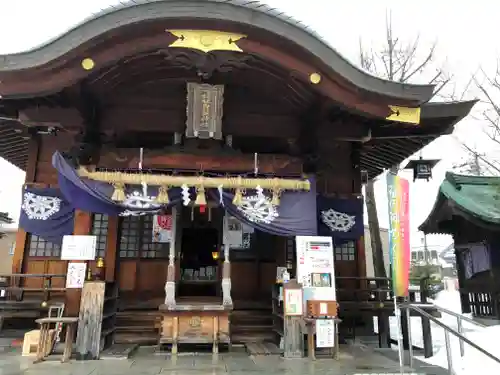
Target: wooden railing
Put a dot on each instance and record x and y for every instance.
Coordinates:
(360, 297)
(13, 286)
(482, 301)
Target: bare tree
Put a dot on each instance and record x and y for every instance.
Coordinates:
(485, 162)
(403, 63)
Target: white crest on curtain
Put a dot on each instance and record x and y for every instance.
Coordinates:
(258, 208)
(40, 207)
(136, 200)
(337, 221)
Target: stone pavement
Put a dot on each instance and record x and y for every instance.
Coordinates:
(353, 360)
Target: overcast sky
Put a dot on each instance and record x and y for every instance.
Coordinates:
(465, 32)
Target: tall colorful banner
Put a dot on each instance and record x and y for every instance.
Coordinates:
(398, 192)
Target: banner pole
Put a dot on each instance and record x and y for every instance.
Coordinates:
(397, 313)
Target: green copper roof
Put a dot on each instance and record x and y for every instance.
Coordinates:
(477, 196)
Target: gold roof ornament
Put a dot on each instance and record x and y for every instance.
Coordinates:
(315, 78)
(404, 114)
(88, 63)
(206, 40)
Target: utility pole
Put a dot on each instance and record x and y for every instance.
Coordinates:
(426, 251)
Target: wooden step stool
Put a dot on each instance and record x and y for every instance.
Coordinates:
(30, 343)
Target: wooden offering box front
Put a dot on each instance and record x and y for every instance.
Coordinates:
(194, 325)
(318, 309)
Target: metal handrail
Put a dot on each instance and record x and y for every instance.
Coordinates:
(447, 331)
(459, 317)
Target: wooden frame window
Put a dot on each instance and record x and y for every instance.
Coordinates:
(100, 230)
(136, 239)
(38, 247)
(346, 251)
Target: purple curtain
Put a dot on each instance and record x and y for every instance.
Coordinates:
(294, 216)
(341, 219)
(475, 258)
(47, 214)
(95, 196)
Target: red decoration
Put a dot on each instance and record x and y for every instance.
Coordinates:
(164, 221)
(203, 208)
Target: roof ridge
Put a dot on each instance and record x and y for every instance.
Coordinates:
(358, 76)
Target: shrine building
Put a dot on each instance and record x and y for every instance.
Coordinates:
(195, 140)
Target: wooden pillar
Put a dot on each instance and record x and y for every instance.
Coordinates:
(83, 226)
(111, 248)
(22, 236)
(17, 259)
(171, 270)
(384, 331)
(426, 324)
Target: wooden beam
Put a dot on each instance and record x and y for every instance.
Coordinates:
(351, 98)
(49, 116)
(111, 248)
(165, 159)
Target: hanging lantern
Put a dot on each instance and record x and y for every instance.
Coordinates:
(215, 255)
(100, 269)
(422, 168)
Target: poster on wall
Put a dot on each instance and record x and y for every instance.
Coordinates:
(75, 277)
(162, 228)
(233, 232)
(78, 247)
(315, 267)
(325, 333)
(293, 302)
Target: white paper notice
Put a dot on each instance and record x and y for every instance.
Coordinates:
(76, 275)
(323, 309)
(78, 247)
(325, 333)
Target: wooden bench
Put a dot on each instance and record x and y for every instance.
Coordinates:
(44, 342)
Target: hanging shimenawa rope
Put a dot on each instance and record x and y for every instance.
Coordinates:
(120, 179)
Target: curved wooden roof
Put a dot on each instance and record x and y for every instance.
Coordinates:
(474, 198)
(123, 32)
(248, 13)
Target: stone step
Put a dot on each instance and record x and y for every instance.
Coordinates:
(241, 338)
(140, 338)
